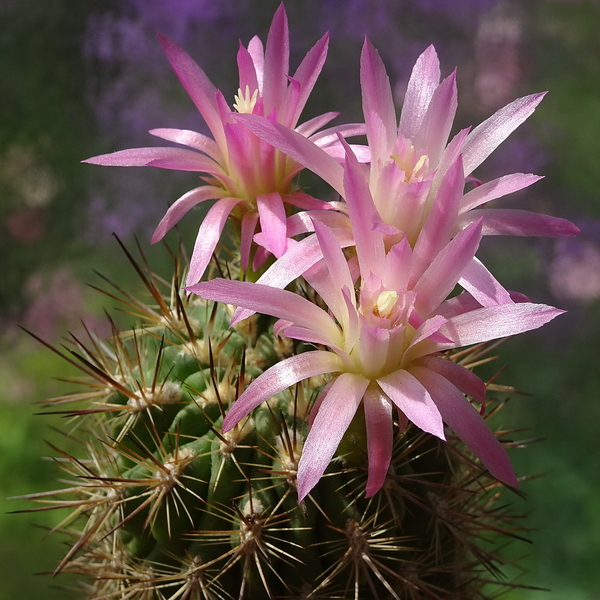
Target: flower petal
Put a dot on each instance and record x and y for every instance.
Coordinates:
(413, 399)
(506, 221)
(182, 205)
(482, 285)
(466, 381)
(466, 422)
(277, 56)
(278, 378)
(335, 414)
(496, 189)
(487, 136)
(378, 421)
(193, 139)
(272, 222)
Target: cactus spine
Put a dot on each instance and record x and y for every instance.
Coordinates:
(161, 505)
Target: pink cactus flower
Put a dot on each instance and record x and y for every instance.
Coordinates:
(411, 162)
(251, 180)
(381, 343)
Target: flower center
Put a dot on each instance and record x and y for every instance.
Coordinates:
(386, 301)
(413, 166)
(244, 101)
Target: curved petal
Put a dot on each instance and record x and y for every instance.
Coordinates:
(424, 79)
(277, 57)
(463, 379)
(482, 285)
(467, 423)
(487, 136)
(413, 399)
(506, 221)
(177, 159)
(193, 139)
(208, 237)
(278, 378)
(270, 301)
(182, 205)
(196, 84)
(377, 103)
(335, 414)
(296, 146)
(496, 189)
(272, 222)
(379, 425)
(493, 322)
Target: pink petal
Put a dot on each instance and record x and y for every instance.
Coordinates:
(424, 79)
(446, 269)
(506, 221)
(208, 237)
(466, 381)
(487, 136)
(378, 420)
(432, 135)
(309, 127)
(273, 222)
(177, 159)
(493, 322)
(257, 52)
(279, 377)
(182, 205)
(298, 147)
(335, 415)
(466, 422)
(409, 395)
(496, 189)
(277, 56)
(193, 139)
(270, 301)
(482, 285)
(247, 71)
(331, 135)
(307, 73)
(378, 104)
(196, 84)
(249, 222)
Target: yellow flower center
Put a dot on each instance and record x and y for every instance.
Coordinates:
(244, 101)
(386, 301)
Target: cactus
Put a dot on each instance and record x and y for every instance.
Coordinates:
(162, 505)
(305, 457)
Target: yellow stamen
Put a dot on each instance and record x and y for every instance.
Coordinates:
(244, 102)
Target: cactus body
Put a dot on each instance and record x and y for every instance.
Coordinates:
(165, 506)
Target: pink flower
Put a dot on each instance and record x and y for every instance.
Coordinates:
(250, 178)
(414, 181)
(381, 343)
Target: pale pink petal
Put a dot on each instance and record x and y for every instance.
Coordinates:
(309, 127)
(193, 139)
(182, 205)
(196, 84)
(249, 222)
(337, 151)
(335, 415)
(177, 159)
(409, 395)
(506, 221)
(432, 135)
(493, 322)
(307, 73)
(446, 269)
(424, 79)
(466, 422)
(269, 301)
(428, 329)
(247, 71)
(496, 189)
(298, 147)
(466, 381)
(487, 136)
(379, 426)
(257, 52)
(440, 223)
(272, 222)
(369, 243)
(374, 345)
(330, 135)
(377, 103)
(208, 237)
(277, 55)
(482, 285)
(279, 377)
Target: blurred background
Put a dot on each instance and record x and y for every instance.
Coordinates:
(82, 77)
